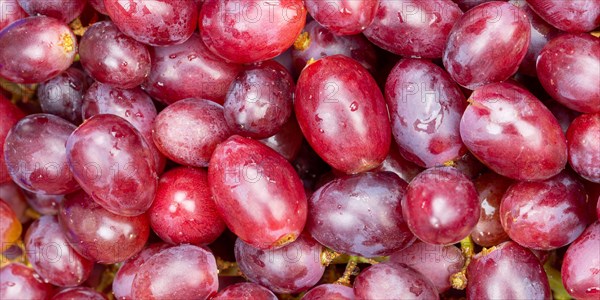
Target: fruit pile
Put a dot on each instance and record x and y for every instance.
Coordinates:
(299, 149)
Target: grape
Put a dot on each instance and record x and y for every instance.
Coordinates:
(62, 95)
(294, 268)
(360, 215)
(342, 114)
(52, 257)
(507, 271)
(309, 166)
(10, 116)
(259, 101)
(563, 115)
(17, 281)
(435, 262)
(441, 206)
(188, 70)
(397, 164)
(43, 203)
(35, 154)
(14, 197)
(10, 11)
(343, 17)
(425, 107)
(469, 165)
(330, 291)
(569, 69)
(598, 209)
(466, 5)
(250, 31)
(173, 137)
(412, 27)
(98, 234)
(245, 291)
(570, 16)
(583, 139)
(491, 187)
(156, 23)
(111, 57)
(545, 215)
(287, 141)
(513, 133)
(487, 44)
(181, 272)
(122, 283)
(257, 192)
(320, 42)
(392, 280)
(10, 226)
(113, 163)
(65, 11)
(581, 264)
(183, 210)
(78, 293)
(36, 49)
(98, 5)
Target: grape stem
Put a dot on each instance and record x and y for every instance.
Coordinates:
(556, 285)
(459, 280)
(328, 255)
(351, 269)
(108, 275)
(19, 92)
(227, 268)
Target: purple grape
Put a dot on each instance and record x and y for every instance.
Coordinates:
(581, 264)
(245, 291)
(65, 11)
(63, 94)
(392, 280)
(10, 11)
(330, 291)
(123, 280)
(491, 187)
(398, 165)
(18, 281)
(287, 141)
(43, 203)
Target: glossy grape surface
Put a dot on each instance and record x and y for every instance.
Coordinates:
(78, 293)
(397, 164)
(392, 280)
(570, 16)
(583, 139)
(65, 11)
(123, 280)
(343, 17)
(43, 203)
(10, 11)
(18, 281)
(330, 291)
(245, 291)
(491, 187)
(287, 141)
(581, 264)
(63, 94)
(10, 116)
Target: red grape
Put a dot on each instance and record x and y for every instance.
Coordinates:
(257, 192)
(183, 210)
(111, 57)
(343, 17)
(43, 203)
(397, 164)
(425, 107)
(513, 133)
(487, 44)
(65, 11)
(10, 226)
(98, 5)
(491, 187)
(18, 281)
(330, 291)
(188, 70)
(245, 291)
(392, 280)
(98, 234)
(563, 115)
(569, 69)
(287, 141)
(36, 49)
(581, 264)
(441, 206)
(360, 215)
(14, 197)
(342, 114)
(123, 280)
(78, 293)
(583, 139)
(63, 94)
(466, 5)
(180, 272)
(52, 257)
(156, 23)
(10, 116)
(259, 100)
(294, 268)
(570, 16)
(507, 271)
(35, 154)
(10, 11)
(250, 31)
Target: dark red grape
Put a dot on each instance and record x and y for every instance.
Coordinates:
(10, 11)
(188, 70)
(330, 291)
(563, 115)
(583, 139)
(287, 141)
(183, 210)
(123, 280)
(36, 49)
(245, 291)
(342, 114)
(78, 293)
(14, 197)
(570, 16)
(98, 5)
(435, 262)
(112, 57)
(397, 164)
(487, 44)
(469, 165)
(569, 69)
(545, 215)
(360, 215)
(465, 5)
(35, 154)
(63, 94)
(441, 206)
(343, 17)
(18, 281)
(98, 234)
(156, 23)
(491, 187)
(260, 100)
(392, 280)
(10, 226)
(181, 272)
(507, 271)
(425, 107)
(173, 136)
(294, 268)
(10, 116)
(43, 203)
(513, 133)
(51, 256)
(65, 11)
(257, 192)
(581, 264)
(250, 31)
(113, 163)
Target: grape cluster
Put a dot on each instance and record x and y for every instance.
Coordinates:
(299, 149)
